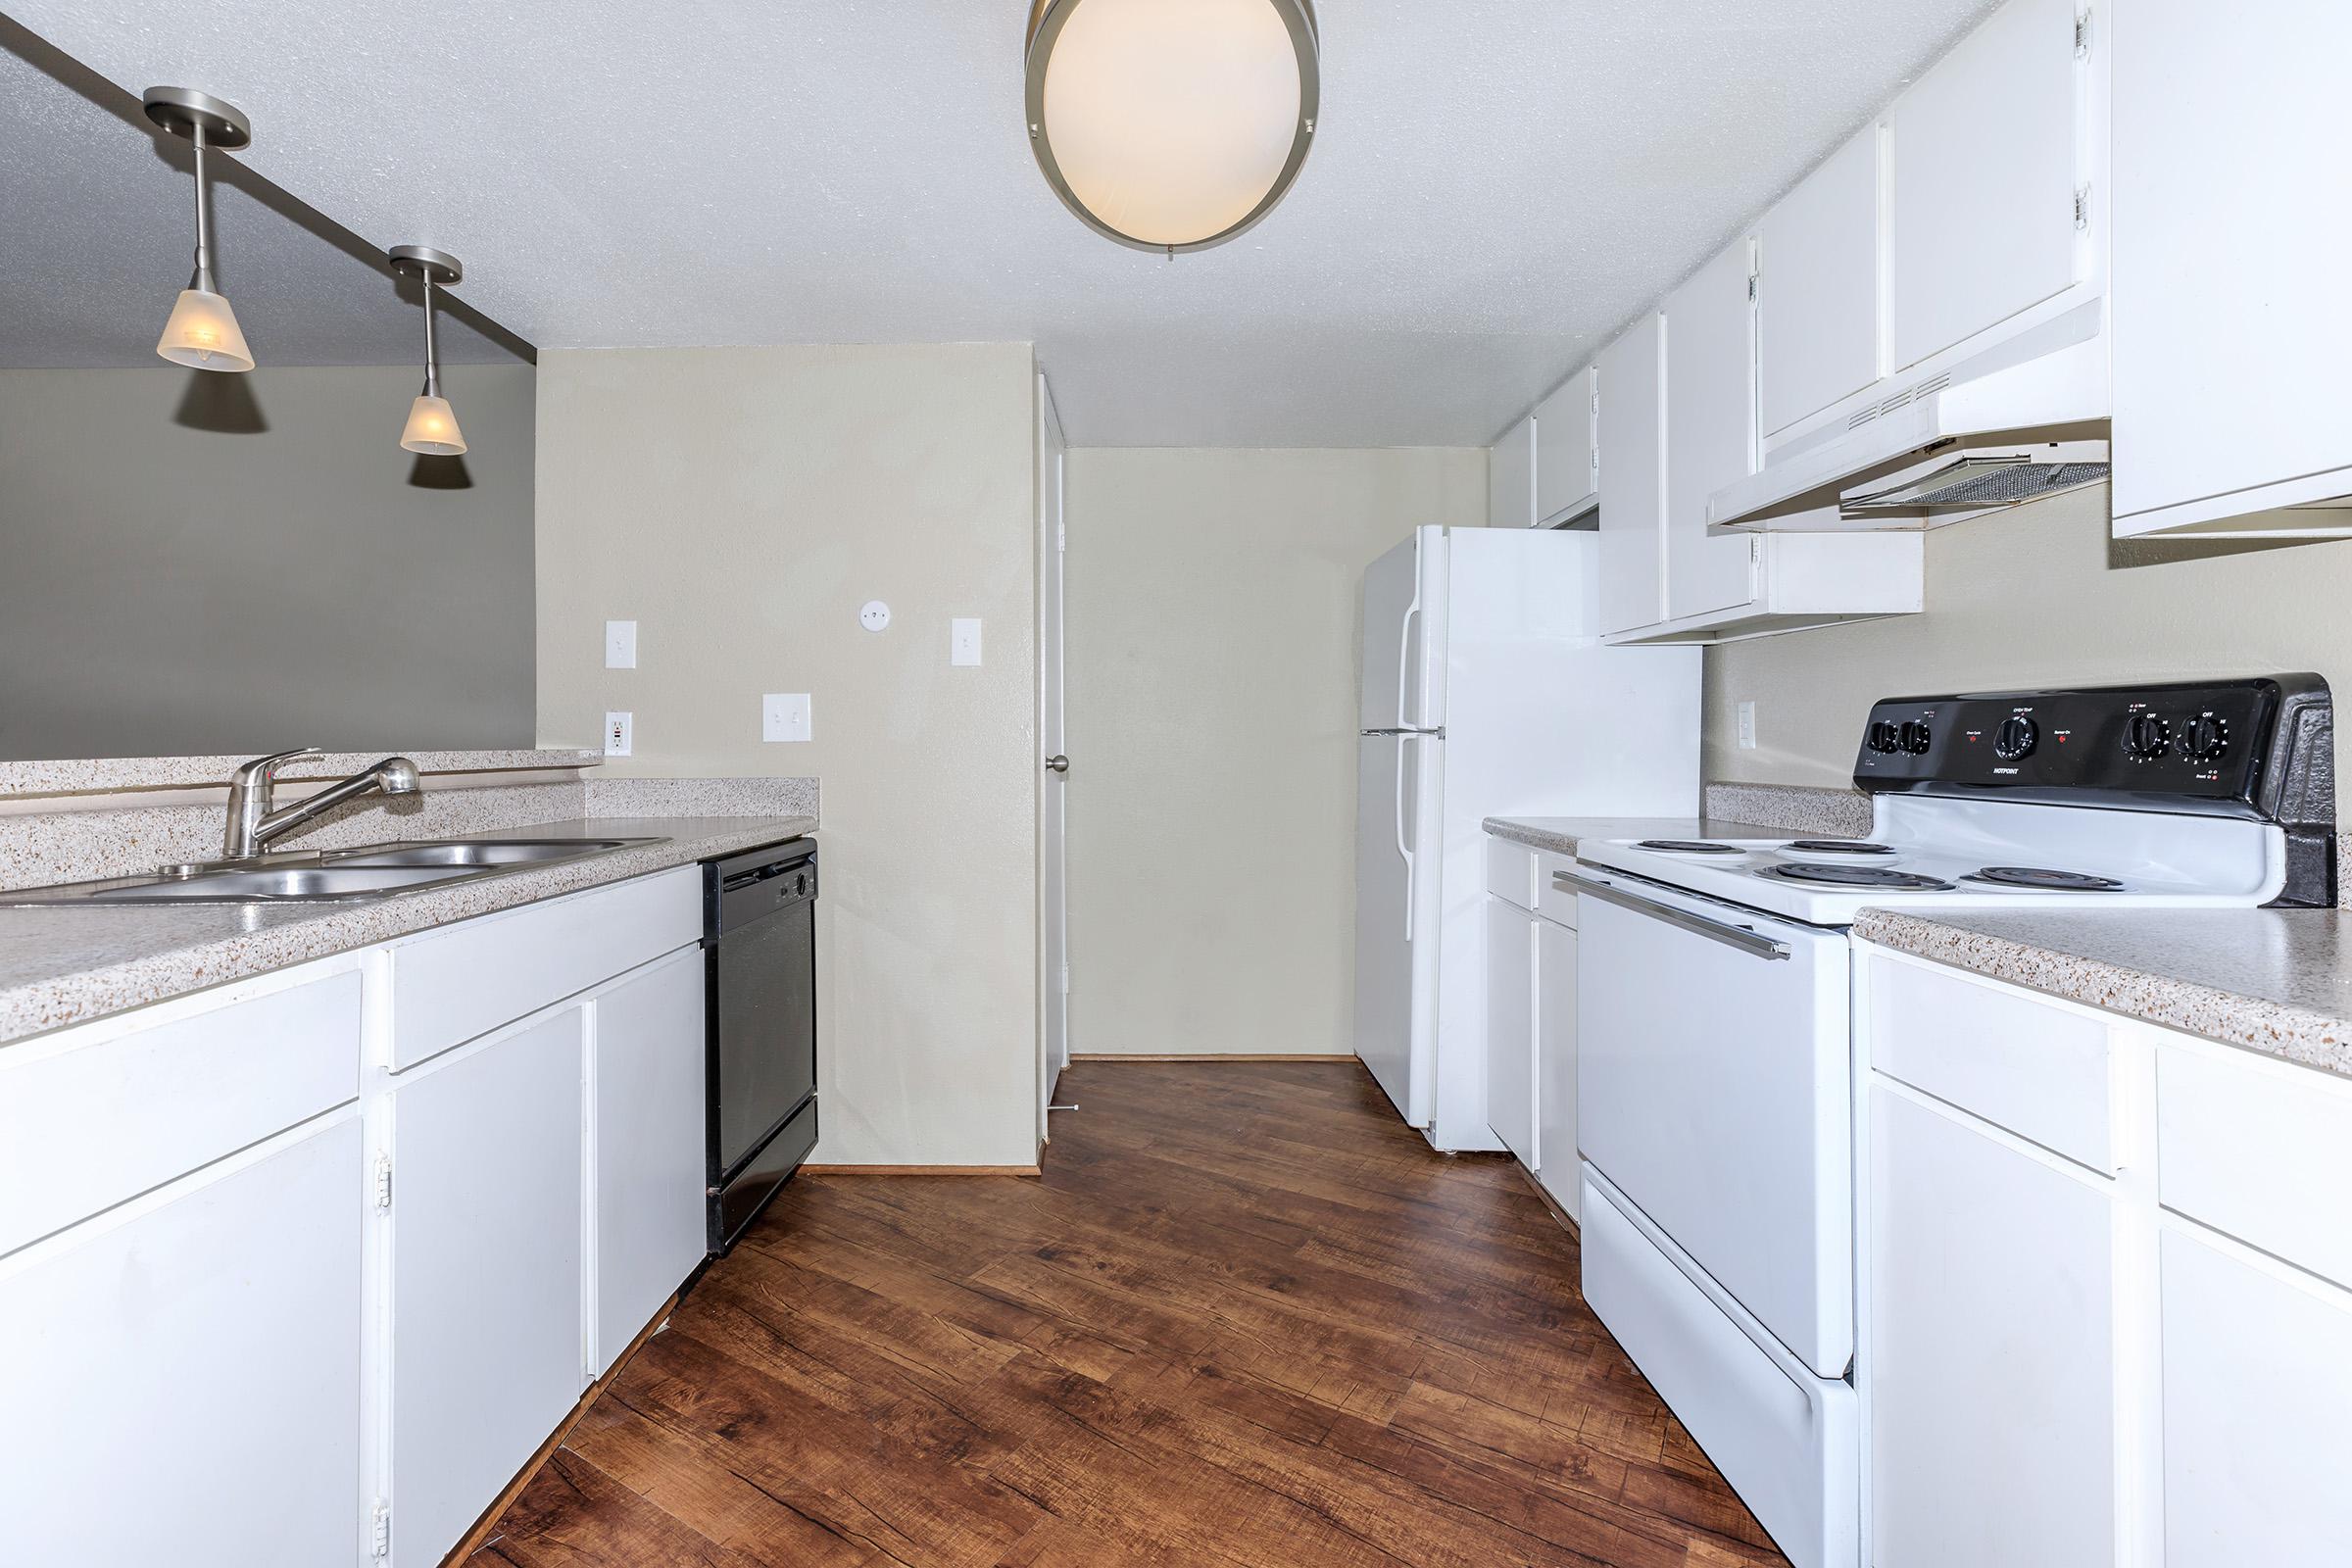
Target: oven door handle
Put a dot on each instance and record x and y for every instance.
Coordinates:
(1747, 941)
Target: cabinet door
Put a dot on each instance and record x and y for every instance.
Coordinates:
(1991, 1379)
(649, 1160)
(2232, 320)
(1817, 288)
(1511, 1027)
(1555, 1066)
(1983, 151)
(1512, 477)
(1566, 472)
(486, 1352)
(1711, 425)
(2257, 1378)
(1633, 478)
(183, 1387)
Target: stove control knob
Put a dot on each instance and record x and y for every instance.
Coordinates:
(2015, 738)
(1880, 737)
(2145, 737)
(1913, 737)
(2204, 738)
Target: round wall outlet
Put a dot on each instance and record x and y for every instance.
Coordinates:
(875, 617)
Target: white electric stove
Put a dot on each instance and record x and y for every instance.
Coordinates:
(1714, 1036)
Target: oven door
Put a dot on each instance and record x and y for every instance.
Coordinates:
(1715, 1091)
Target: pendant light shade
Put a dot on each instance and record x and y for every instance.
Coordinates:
(432, 427)
(201, 331)
(1171, 125)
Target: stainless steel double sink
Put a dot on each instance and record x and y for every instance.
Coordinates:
(328, 876)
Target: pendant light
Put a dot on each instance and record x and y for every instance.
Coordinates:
(432, 426)
(1171, 125)
(201, 331)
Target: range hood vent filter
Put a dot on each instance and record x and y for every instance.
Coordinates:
(1975, 483)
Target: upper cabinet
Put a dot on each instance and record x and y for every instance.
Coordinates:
(1817, 287)
(1710, 432)
(1512, 477)
(1984, 155)
(1632, 478)
(2232, 321)
(1567, 461)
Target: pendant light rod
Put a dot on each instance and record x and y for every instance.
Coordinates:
(432, 360)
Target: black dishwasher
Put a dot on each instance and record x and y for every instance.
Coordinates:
(760, 963)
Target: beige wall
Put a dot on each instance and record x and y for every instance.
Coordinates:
(1212, 633)
(741, 505)
(2033, 597)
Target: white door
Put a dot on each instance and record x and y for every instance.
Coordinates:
(1566, 473)
(1052, 795)
(2257, 1378)
(1632, 480)
(1817, 288)
(1512, 477)
(1403, 595)
(1991, 1376)
(1983, 213)
(1710, 433)
(649, 1161)
(1555, 1066)
(182, 1385)
(487, 1356)
(1511, 1027)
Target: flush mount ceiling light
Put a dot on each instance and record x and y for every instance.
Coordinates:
(432, 427)
(1171, 125)
(201, 331)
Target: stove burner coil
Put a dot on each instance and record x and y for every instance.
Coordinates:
(2034, 876)
(1837, 847)
(1853, 876)
(1689, 847)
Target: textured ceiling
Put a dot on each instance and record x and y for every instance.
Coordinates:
(1497, 185)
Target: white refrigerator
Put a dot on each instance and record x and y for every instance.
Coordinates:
(1486, 692)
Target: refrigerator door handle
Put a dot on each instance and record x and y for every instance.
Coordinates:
(1403, 742)
(1404, 646)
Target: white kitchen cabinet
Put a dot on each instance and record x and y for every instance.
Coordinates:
(1985, 158)
(1991, 1313)
(647, 1160)
(1510, 1027)
(2231, 321)
(1512, 477)
(2257, 1378)
(181, 1375)
(1555, 1066)
(1817, 287)
(486, 1306)
(1710, 432)
(1632, 478)
(1567, 458)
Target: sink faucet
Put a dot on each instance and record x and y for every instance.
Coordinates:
(253, 823)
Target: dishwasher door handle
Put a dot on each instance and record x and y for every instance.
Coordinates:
(1744, 938)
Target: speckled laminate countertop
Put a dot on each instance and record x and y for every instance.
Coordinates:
(1559, 834)
(64, 964)
(2277, 981)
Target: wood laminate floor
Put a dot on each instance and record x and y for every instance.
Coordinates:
(1245, 1320)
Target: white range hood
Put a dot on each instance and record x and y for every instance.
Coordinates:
(2025, 419)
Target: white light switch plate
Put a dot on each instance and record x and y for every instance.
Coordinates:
(963, 641)
(621, 644)
(618, 733)
(1748, 726)
(784, 717)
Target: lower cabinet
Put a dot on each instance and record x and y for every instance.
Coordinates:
(1511, 1027)
(486, 1278)
(180, 1380)
(1555, 1066)
(649, 1163)
(1530, 1016)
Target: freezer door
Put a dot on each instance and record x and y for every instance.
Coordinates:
(1396, 920)
(1403, 616)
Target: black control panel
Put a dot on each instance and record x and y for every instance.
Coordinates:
(2196, 745)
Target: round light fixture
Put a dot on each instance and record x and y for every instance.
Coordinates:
(1172, 125)
(432, 427)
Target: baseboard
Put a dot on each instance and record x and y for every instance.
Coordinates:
(1567, 1221)
(1204, 1055)
(920, 1170)
(475, 1538)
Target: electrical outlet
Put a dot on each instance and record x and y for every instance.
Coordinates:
(1748, 726)
(621, 644)
(784, 717)
(619, 732)
(963, 641)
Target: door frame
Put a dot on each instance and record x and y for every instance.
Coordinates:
(1052, 807)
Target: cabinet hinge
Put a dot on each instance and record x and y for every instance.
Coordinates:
(1751, 288)
(2082, 36)
(382, 1524)
(1065, 979)
(384, 1181)
(2082, 207)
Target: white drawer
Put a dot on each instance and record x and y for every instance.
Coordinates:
(2035, 1069)
(1554, 902)
(102, 1113)
(451, 984)
(2262, 1150)
(1511, 871)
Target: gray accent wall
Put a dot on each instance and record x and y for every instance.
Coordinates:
(194, 562)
